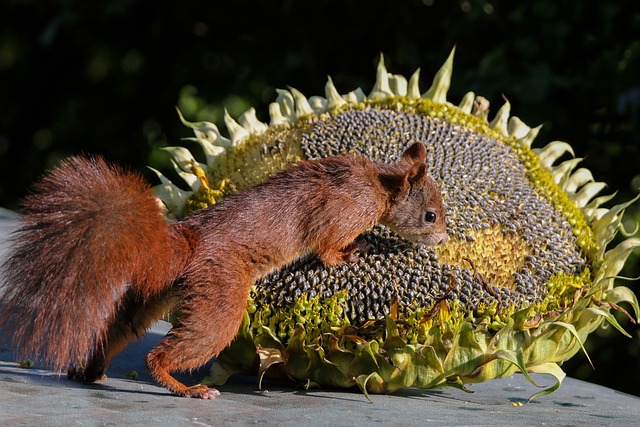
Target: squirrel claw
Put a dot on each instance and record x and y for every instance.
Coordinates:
(201, 391)
(211, 394)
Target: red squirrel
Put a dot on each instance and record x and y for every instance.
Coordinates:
(95, 263)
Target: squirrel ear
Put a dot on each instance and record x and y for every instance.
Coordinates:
(417, 152)
(399, 183)
(417, 174)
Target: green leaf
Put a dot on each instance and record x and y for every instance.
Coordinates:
(574, 332)
(363, 383)
(600, 311)
(268, 357)
(516, 358)
(550, 369)
(615, 258)
(623, 294)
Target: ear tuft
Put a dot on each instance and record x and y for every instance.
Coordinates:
(416, 153)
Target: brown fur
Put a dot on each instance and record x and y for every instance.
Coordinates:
(95, 263)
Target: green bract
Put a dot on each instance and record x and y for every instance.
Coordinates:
(524, 278)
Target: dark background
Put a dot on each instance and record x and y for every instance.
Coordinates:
(104, 77)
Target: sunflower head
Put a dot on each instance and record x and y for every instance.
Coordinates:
(524, 277)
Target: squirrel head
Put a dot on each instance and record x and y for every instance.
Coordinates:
(416, 211)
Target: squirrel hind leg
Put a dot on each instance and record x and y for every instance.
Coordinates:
(163, 359)
(209, 317)
(132, 321)
(205, 328)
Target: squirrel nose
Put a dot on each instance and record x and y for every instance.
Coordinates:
(444, 238)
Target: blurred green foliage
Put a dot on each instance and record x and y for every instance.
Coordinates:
(104, 77)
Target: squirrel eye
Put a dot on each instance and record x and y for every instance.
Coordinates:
(430, 217)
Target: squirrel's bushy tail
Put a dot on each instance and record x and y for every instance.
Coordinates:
(90, 232)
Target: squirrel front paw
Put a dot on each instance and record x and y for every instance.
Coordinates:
(333, 256)
(349, 252)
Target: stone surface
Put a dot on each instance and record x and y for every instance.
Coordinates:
(39, 397)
